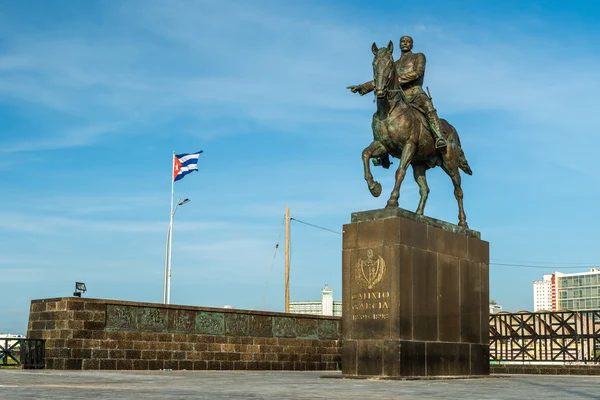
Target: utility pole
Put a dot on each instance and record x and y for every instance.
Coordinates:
(287, 260)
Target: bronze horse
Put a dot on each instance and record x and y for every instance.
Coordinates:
(401, 130)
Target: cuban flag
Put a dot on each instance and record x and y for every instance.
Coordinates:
(184, 164)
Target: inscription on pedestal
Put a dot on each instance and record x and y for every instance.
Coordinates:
(369, 301)
(370, 305)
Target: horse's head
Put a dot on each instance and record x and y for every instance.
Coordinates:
(383, 69)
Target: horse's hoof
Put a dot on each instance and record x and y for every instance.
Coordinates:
(392, 204)
(376, 189)
(463, 224)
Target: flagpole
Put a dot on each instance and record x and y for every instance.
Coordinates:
(166, 266)
(167, 288)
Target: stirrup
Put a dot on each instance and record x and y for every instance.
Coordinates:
(441, 145)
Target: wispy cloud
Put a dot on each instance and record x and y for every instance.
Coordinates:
(49, 225)
(42, 224)
(71, 138)
(93, 203)
(24, 275)
(22, 260)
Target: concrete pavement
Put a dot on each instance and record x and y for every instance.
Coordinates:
(116, 385)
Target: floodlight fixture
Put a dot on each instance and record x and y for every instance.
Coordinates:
(79, 288)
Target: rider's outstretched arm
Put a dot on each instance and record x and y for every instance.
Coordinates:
(367, 87)
(362, 89)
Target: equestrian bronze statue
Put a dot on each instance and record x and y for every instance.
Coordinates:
(406, 126)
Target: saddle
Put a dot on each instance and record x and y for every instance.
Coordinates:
(384, 161)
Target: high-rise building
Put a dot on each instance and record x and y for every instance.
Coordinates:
(327, 300)
(324, 307)
(579, 291)
(575, 292)
(542, 294)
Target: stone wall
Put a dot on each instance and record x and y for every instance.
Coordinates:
(101, 334)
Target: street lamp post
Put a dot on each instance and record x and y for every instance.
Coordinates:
(168, 254)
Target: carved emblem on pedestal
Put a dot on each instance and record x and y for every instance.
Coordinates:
(371, 270)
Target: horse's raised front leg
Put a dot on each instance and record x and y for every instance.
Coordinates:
(419, 173)
(407, 154)
(375, 149)
(454, 174)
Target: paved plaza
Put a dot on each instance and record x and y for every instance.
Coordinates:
(55, 385)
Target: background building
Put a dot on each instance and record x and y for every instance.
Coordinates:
(544, 292)
(324, 307)
(495, 307)
(576, 292)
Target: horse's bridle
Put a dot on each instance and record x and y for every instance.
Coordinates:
(389, 78)
(387, 84)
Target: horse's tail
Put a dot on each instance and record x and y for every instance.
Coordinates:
(462, 160)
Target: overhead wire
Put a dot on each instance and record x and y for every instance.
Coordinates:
(550, 263)
(540, 266)
(316, 226)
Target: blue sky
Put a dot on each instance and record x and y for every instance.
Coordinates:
(95, 96)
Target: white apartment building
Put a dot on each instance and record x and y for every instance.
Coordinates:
(324, 307)
(578, 291)
(542, 294)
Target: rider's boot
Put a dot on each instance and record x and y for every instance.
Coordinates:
(434, 123)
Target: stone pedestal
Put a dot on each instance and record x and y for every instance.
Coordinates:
(415, 297)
